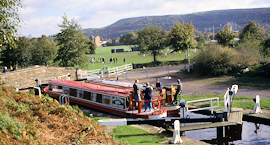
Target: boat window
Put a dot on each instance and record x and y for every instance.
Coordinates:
(66, 90)
(80, 94)
(87, 95)
(50, 87)
(99, 98)
(118, 102)
(57, 89)
(106, 100)
(73, 92)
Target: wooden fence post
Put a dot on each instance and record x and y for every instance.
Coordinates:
(108, 73)
(116, 73)
(126, 74)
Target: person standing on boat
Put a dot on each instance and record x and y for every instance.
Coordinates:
(137, 92)
(178, 89)
(158, 84)
(147, 96)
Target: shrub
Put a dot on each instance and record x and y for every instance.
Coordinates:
(248, 54)
(11, 125)
(214, 60)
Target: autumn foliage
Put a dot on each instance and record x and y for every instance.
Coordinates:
(30, 119)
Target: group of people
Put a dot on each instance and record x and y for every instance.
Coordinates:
(102, 59)
(6, 70)
(113, 60)
(148, 92)
(97, 59)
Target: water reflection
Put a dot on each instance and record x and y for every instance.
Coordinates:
(246, 134)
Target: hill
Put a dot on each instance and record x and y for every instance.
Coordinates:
(202, 21)
(30, 119)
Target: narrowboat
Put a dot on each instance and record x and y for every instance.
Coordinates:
(114, 100)
(166, 93)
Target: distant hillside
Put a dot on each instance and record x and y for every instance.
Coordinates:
(202, 21)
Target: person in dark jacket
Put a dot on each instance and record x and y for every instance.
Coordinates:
(148, 96)
(136, 88)
(158, 85)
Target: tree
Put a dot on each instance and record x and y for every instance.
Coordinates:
(251, 32)
(24, 57)
(151, 39)
(181, 36)
(200, 39)
(225, 37)
(21, 55)
(92, 47)
(116, 41)
(9, 21)
(44, 50)
(266, 47)
(129, 39)
(72, 44)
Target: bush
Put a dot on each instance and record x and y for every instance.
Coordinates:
(214, 60)
(248, 54)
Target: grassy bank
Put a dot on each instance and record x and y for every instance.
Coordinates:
(238, 101)
(130, 57)
(136, 136)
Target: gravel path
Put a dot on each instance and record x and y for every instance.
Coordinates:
(201, 86)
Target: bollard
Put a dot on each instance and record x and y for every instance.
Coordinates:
(182, 109)
(37, 83)
(69, 75)
(37, 91)
(257, 106)
(176, 133)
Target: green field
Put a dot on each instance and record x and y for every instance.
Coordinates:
(131, 57)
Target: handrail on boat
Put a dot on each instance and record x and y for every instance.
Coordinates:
(154, 101)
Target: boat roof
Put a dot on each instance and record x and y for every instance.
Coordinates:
(121, 92)
(113, 83)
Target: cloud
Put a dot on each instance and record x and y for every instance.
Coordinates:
(41, 26)
(44, 15)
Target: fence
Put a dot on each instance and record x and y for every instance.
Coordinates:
(205, 108)
(91, 74)
(116, 71)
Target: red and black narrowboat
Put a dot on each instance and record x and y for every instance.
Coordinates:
(110, 99)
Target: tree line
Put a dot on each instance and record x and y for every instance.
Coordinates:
(223, 57)
(70, 45)
(68, 49)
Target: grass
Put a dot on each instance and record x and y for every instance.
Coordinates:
(131, 57)
(134, 135)
(238, 101)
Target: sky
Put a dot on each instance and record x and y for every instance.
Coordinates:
(42, 17)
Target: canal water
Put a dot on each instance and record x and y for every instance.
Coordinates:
(247, 134)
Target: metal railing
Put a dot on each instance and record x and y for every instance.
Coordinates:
(204, 108)
(67, 77)
(45, 80)
(63, 99)
(155, 102)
